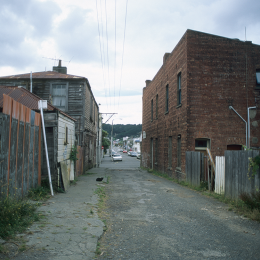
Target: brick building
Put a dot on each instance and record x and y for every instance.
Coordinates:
(186, 107)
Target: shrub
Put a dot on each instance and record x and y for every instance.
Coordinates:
(15, 216)
(252, 200)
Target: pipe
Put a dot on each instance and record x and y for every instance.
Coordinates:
(40, 105)
(230, 107)
(248, 120)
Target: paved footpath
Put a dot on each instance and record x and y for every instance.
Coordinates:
(71, 228)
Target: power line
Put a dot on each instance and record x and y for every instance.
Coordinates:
(122, 55)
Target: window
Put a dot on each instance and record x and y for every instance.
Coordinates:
(202, 143)
(258, 78)
(179, 90)
(170, 151)
(156, 112)
(59, 96)
(91, 108)
(167, 99)
(152, 110)
(179, 151)
(66, 139)
(151, 153)
(156, 150)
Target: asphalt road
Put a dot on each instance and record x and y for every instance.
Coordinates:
(152, 218)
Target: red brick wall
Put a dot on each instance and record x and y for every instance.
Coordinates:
(215, 74)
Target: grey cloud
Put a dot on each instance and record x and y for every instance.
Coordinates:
(20, 21)
(77, 36)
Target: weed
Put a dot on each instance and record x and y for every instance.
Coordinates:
(91, 211)
(98, 251)
(39, 193)
(85, 228)
(22, 248)
(89, 173)
(74, 182)
(252, 200)
(16, 216)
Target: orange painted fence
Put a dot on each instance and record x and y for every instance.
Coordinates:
(20, 155)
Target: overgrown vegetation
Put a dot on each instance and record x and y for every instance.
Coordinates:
(73, 153)
(254, 165)
(248, 205)
(252, 200)
(16, 216)
(39, 193)
(105, 141)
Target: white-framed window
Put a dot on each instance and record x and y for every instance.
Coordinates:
(202, 143)
(59, 96)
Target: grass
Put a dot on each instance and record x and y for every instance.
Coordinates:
(248, 205)
(39, 193)
(16, 216)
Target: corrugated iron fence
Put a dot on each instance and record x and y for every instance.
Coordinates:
(20, 156)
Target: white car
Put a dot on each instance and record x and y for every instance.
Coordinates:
(116, 157)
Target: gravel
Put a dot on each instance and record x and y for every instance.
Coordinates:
(152, 218)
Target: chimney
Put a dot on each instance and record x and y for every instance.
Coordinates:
(60, 69)
(166, 56)
(147, 82)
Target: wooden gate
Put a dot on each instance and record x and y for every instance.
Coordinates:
(20, 156)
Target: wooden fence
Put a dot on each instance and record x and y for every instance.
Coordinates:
(237, 178)
(20, 156)
(194, 167)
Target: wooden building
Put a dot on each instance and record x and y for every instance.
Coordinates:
(70, 94)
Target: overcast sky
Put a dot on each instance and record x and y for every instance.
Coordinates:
(116, 44)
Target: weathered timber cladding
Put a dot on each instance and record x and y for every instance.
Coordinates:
(194, 168)
(214, 75)
(19, 149)
(237, 178)
(80, 104)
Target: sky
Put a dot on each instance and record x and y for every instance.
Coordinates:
(116, 44)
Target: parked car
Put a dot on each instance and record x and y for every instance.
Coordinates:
(133, 154)
(125, 151)
(129, 153)
(138, 156)
(116, 157)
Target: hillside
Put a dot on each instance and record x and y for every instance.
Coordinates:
(120, 131)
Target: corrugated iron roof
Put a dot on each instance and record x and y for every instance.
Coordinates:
(43, 75)
(26, 98)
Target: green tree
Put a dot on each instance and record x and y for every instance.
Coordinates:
(105, 140)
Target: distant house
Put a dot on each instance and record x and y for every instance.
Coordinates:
(72, 95)
(189, 104)
(60, 135)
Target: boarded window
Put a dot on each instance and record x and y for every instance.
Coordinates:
(156, 107)
(179, 90)
(170, 151)
(156, 150)
(59, 96)
(179, 151)
(152, 110)
(151, 153)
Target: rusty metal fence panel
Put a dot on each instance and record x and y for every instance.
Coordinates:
(20, 156)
